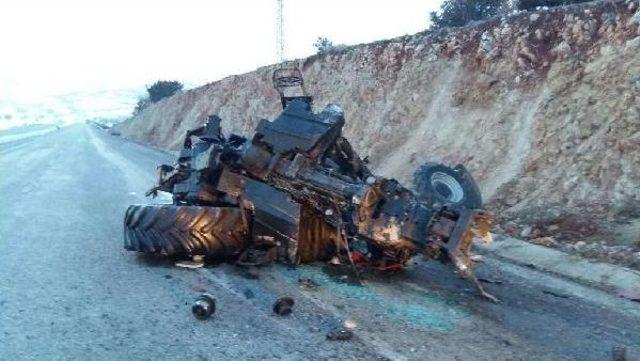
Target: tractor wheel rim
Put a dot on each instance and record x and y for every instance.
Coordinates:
(447, 187)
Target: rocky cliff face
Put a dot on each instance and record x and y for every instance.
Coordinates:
(543, 109)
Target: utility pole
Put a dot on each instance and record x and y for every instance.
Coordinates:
(280, 31)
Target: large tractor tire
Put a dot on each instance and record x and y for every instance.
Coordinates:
(452, 187)
(217, 232)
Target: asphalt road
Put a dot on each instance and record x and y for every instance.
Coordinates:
(69, 291)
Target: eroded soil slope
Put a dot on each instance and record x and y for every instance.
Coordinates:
(543, 108)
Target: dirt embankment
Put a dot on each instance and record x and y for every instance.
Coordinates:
(543, 108)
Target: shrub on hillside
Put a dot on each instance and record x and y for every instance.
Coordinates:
(454, 13)
(323, 45)
(142, 103)
(163, 89)
(533, 4)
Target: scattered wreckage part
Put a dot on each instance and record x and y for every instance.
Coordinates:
(486, 295)
(438, 183)
(204, 306)
(189, 264)
(496, 281)
(470, 223)
(343, 273)
(217, 232)
(350, 324)
(450, 238)
(308, 283)
(619, 353)
(283, 306)
(196, 261)
(290, 85)
(340, 333)
(317, 239)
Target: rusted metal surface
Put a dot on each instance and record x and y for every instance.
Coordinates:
(305, 194)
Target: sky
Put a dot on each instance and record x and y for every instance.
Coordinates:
(65, 61)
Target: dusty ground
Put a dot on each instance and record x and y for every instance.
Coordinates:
(70, 292)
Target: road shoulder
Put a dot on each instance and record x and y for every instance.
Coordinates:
(606, 276)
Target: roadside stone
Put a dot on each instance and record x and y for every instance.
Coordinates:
(510, 228)
(511, 202)
(633, 43)
(545, 241)
(562, 49)
(580, 244)
(486, 42)
(635, 19)
(526, 232)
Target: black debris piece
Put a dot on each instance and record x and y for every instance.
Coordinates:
(248, 293)
(283, 306)
(339, 333)
(204, 306)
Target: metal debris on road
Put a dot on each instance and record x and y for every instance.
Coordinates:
(633, 295)
(249, 273)
(619, 353)
(189, 264)
(555, 294)
(283, 306)
(490, 280)
(248, 293)
(477, 258)
(204, 306)
(196, 262)
(339, 333)
(350, 324)
(308, 283)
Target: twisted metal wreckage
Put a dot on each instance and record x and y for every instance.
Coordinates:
(297, 192)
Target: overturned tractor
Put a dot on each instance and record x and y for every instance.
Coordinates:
(297, 192)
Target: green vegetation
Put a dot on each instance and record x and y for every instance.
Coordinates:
(163, 89)
(157, 91)
(323, 45)
(455, 13)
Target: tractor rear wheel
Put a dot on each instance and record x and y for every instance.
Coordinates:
(217, 232)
